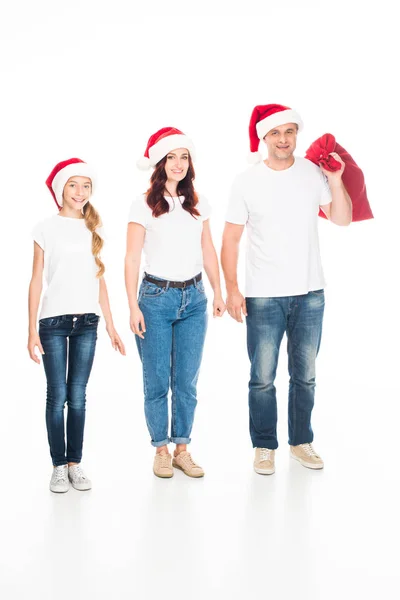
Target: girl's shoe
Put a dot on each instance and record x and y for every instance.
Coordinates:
(78, 478)
(185, 463)
(59, 480)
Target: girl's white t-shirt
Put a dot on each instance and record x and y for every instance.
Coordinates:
(172, 244)
(70, 267)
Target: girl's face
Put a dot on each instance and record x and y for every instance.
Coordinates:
(177, 164)
(77, 192)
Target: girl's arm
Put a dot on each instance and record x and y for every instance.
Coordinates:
(211, 267)
(116, 341)
(35, 290)
(134, 246)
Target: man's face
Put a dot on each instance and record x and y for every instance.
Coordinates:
(281, 141)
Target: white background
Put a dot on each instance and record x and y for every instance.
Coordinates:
(94, 80)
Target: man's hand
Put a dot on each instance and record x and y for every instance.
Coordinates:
(334, 176)
(236, 305)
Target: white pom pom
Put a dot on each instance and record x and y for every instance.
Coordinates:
(254, 157)
(143, 163)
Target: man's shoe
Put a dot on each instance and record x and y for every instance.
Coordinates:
(185, 463)
(264, 461)
(59, 480)
(162, 465)
(78, 478)
(306, 456)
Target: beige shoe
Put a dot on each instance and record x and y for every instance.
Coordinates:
(185, 463)
(264, 461)
(306, 456)
(162, 465)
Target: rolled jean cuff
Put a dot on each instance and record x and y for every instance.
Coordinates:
(162, 443)
(60, 463)
(176, 440)
(73, 460)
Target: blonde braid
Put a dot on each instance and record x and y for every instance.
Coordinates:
(92, 220)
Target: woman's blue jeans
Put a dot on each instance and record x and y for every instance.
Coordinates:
(268, 319)
(69, 343)
(171, 353)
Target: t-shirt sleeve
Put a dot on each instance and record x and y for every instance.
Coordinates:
(38, 235)
(139, 212)
(326, 196)
(237, 212)
(204, 208)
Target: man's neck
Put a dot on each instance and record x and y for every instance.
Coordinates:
(278, 164)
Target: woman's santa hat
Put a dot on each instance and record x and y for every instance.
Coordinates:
(161, 143)
(64, 170)
(264, 118)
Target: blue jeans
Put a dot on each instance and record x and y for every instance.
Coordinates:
(268, 319)
(67, 340)
(171, 353)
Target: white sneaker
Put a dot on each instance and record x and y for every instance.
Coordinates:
(78, 478)
(59, 479)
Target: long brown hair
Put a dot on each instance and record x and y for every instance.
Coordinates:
(155, 193)
(92, 221)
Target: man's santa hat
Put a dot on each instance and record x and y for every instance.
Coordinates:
(264, 118)
(161, 143)
(64, 170)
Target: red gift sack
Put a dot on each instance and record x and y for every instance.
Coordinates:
(353, 178)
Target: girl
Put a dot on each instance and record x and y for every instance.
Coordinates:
(69, 245)
(171, 224)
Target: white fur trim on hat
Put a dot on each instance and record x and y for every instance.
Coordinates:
(279, 118)
(72, 170)
(167, 144)
(143, 163)
(254, 157)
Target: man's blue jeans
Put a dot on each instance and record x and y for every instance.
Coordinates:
(171, 353)
(67, 340)
(268, 319)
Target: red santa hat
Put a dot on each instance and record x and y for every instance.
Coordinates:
(264, 118)
(161, 143)
(64, 170)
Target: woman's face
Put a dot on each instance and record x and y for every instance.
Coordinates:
(77, 192)
(177, 164)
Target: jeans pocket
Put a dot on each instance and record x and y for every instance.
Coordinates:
(49, 321)
(92, 319)
(151, 290)
(200, 287)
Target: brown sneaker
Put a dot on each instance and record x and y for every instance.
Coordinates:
(264, 461)
(306, 456)
(185, 463)
(162, 465)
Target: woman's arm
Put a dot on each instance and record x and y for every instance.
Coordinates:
(211, 267)
(104, 302)
(35, 290)
(134, 247)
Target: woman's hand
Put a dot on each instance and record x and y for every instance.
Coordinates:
(116, 341)
(136, 322)
(218, 306)
(33, 341)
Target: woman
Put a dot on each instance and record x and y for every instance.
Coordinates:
(168, 315)
(68, 245)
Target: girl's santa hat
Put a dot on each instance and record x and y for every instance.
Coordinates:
(161, 143)
(64, 170)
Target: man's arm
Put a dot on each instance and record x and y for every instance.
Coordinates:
(339, 211)
(235, 302)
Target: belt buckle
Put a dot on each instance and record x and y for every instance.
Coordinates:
(184, 285)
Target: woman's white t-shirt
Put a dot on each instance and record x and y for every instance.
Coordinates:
(70, 268)
(172, 244)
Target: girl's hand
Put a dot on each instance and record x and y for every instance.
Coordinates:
(33, 341)
(116, 341)
(137, 319)
(219, 306)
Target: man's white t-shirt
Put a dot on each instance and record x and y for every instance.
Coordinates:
(280, 209)
(172, 244)
(70, 268)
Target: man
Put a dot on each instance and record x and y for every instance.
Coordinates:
(278, 200)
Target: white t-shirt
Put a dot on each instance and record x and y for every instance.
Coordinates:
(172, 243)
(280, 209)
(70, 268)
